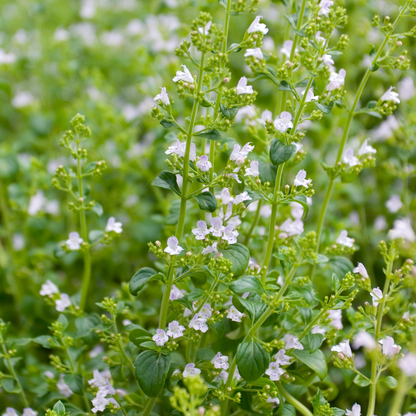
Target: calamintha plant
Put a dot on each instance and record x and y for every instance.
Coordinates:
(247, 302)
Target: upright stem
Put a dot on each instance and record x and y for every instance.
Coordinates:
(399, 395)
(296, 403)
(254, 222)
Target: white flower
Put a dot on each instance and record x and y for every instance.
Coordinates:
(160, 337)
(163, 96)
(408, 364)
(173, 248)
(199, 324)
(325, 7)
(63, 303)
(226, 197)
(61, 35)
(281, 358)
(201, 231)
(216, 227)
(223, 376)
(210, 249)
(6, 58)
(287, 48)
(363, 339)
(206, 311)
(327, 59)
(243, 88)
(112, 225)
(390, 349)
(390, 95)
(230, 234)
(27, 411)
(10, 412)
(184, 76)
(366, 148)
(48, 288)
(234, 314)
(22, 99)
(274, 371)
(310, 96)
(256, 52)
(336, 318)
(175, 330)
(74, 241)
(360, 269)
(318, 330)
(394, 203)
(344, 240)
(283, 122)
(256, 26)
(220, 361)
(343, 348)
(63, 387)
(175, 293)
(36, 203)
(291, 227)
(100, 402)
(244, 196)
(253, 170)
(355, 410)
(204, 30)
(406, 87)
(349, 158)
(377, 296)
(274, 400)
(98, 380)
(336, 80)
(179, 149)
(190, 370)
(292, 342)
(204, 164)
(301, 180)
(240, 154)
(402, 228)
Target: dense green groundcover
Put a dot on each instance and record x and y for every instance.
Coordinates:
(207, 207)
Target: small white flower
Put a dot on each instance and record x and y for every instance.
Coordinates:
(173, 248)
(273, 400)
(292, 342)
(327, 59)
(206, 311)
(256, 26)
(366, 148)
(36, 203)
(253, 170)
(201, 231)
(100, 402)
(390, 349)
(163, 96)
(335, 315)
(204, 164)
(244, 196)
(184, 76)
(223, 376)
(205, 30)
(98, 380)
(394, 203)
(318, 330)
(175, 293)
(349, 158)
(22, 99)
(390, 95)
(310, 96)
(300, 179)
(216, 227)
(27, 411)
(355, 411)
(10, 412)
(402, 228)
(160, 337)
(344, 240)
(48, 288)
(297, 210)
(226, 197)
(256, 52)
(360, 269)
(234, 314)
(243, 88)
(74, 241)
(281, 358)
(63, 387)
(230, 234)
(377, 296)
(179, 149)
(291, 227)
(198, 324)
(62, 303)
(113, 225)
(6, 58)
(336, 80)
(283, 122)
(210, 249)
(343, 348)
(175, 330)
(220, 361)
(408, 364)
(363, 339)
(274, 371)
(406, 87)
(190, 370)
(325, 6)
(287, 48)
(240, 154)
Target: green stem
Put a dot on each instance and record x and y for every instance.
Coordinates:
(298, 27)
(149, 406)
(399, 395)
(297, 404)
(254, 223)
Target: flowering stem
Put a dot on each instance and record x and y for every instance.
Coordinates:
(254, 223)
(399, 395)
(290, 399)
(84, 235)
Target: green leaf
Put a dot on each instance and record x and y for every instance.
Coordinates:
(247, 284)
(199, 277)
(167, 124)
(97, 209)
(305, 314)
(252, 360)
(267, 172)
(254, 309)
(315, 341)
(315, 361)
(280, 152)
(59, 408)
(140, 278)
(47, 341)
(8, 167)
(301, 199)
(340, 265)
(167, 180)
(206, 201)
(204, 354)
(288, 410)
(138, 335)
(361, 381)
(390, 382)
(285, 86)
(209, 134)
(9, 385)
(75, 382)
(239, 255)
(151, 371)
(229, 113)
(325, 108)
